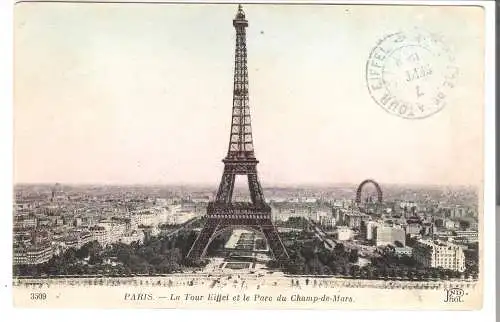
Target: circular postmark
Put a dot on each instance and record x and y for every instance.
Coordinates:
(410, 74)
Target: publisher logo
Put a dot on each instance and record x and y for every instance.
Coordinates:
(454, 295)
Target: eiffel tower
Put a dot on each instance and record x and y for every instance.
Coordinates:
(224, 214)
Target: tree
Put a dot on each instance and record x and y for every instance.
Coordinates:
(325, 256)
(397, 243)
(370, 273)
(272, 264)
(339, 248)
(353, 256)
(315, 266)
(354, 271)
(69, 256)
(410, 241)
(296, 266)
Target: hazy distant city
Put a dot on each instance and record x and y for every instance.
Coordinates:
(415, 232)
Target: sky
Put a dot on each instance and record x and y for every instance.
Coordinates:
(138, 94)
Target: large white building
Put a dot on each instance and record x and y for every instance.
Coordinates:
(147, 217)
(352, 219)
(25, 222)
(33, 255)
(369, 229)
(403, 251)
(344, 233)
(78, 238)
(389, 235)
(471, 236)
(439, 254)
(413, 228)
(458, 212)
(327, 221)
(136, 235)
(451, 224)
(173, 214)
(114, 230)
(100, 234)
(181, 216)
(408, 204)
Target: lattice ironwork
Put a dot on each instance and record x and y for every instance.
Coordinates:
(240, 160)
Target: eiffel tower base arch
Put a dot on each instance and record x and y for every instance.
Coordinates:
(259, 221)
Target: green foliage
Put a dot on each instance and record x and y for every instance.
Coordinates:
(298, 222)
(158, 255)
(311, 257)
(353, 256)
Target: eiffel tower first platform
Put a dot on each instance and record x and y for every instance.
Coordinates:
(223, 213)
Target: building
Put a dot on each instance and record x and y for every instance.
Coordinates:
(77, 222)
(389, 235)
(100, 234)
(413, 228)
(181, 217)
(470, 236)
(89, 220)
(458, 212)
(115, 229)
(32, 255)
(161, 202)
(40, 236)
(351, 219)
(43, 221)
(407, 204)
(327, 221)
(57, 220)
(439, 254)
(403, 251)
(77, 238)
(136, 235)
(344, 233)
(149, 217)
(428, 229)
(25, 222)
(368, 229)
(451, 224)
(371, 230)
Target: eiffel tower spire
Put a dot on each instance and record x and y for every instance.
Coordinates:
(240, 142)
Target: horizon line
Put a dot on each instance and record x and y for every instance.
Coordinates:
(216, 184)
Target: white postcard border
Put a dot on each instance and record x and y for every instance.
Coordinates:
(6, 101)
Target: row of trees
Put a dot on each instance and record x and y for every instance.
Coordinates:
(164, 255)
(310, 257)
(158, 255)
(296, 222)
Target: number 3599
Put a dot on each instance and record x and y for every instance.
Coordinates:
(38, 296)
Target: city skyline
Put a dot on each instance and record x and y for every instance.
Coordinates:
(266, 185)
(84, 114)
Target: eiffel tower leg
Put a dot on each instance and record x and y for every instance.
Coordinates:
(225, 192)
(203, 239)
(273, 239)
(256, 193)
